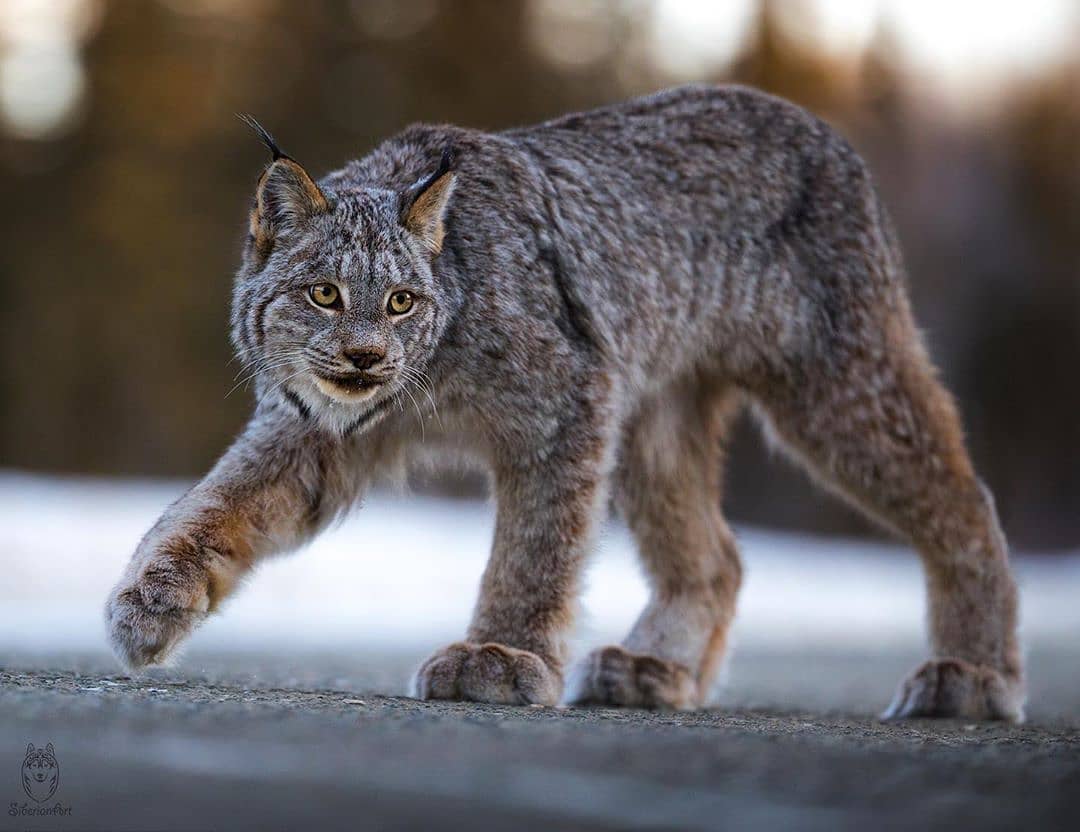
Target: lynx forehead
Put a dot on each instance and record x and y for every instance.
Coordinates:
(582, 306)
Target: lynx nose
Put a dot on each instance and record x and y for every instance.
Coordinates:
(364, 358)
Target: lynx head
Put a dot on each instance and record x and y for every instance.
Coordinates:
(335, 306)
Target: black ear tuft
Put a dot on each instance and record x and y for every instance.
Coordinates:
(446, 162)
(263, 135)
(285, 197)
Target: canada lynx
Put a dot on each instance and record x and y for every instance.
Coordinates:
(582, 306)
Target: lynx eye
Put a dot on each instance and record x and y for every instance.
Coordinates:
(399, 303)
(324, 294)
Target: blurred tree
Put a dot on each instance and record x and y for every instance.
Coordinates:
(121, 227)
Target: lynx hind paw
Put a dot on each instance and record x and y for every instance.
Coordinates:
(955, 688)
(148, 617)
(616, 677)
(487, 673)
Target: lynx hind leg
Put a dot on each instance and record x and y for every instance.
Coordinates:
(872, 422)
(668, 487)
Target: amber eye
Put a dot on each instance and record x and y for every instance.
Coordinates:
(324, 294)
(399, 303)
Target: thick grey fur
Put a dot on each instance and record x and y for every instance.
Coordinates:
(594, 295)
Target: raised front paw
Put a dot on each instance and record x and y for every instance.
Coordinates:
(487, 673)
(615, 676)
(149, 615)
(955, 688)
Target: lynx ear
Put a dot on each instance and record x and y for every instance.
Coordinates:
(285, 197)
(423, 206)
(49, 748)
(29, 749)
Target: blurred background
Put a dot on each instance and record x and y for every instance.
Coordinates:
(125, 180)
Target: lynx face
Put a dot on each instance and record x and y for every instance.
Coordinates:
(336, 307)
(40, 772)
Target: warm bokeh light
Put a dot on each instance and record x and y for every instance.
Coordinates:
(962, 51)
(128, 178)
(970, 46)
(965, 47)
(839, 27)
(690, 38)
(41, 74)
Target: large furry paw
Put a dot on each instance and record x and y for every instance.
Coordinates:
(149, 616)
(955, 688)
(487, 673)
(615, 676)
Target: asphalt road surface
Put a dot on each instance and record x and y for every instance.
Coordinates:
(308, 742)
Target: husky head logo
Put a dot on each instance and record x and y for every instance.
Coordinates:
(40, 773)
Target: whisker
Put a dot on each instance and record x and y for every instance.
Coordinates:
(257, 371)
(269, 363)
(419, 415)
(278, 384)
(251, 368)
(267, 359)
(424, 384)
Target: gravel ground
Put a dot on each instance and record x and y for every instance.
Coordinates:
(227, 742)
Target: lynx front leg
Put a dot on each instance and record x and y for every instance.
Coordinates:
(266, 494)
(514, 650)
(668, 488)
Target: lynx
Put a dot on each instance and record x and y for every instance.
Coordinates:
(582, 306)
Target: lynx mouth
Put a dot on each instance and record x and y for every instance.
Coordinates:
(351, 387)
